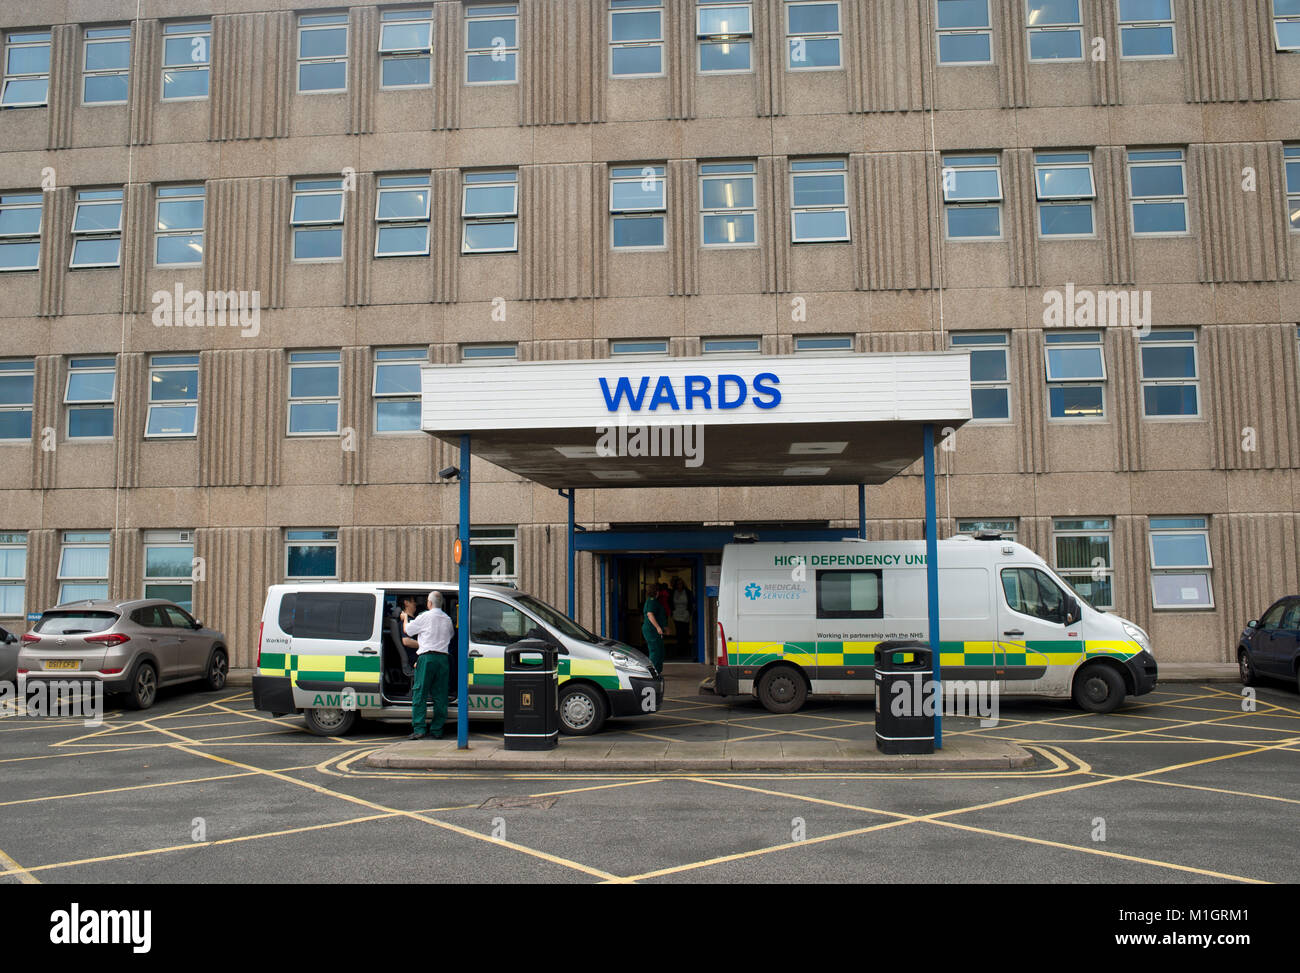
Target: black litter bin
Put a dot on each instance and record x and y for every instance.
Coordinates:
(532, 691)
(904, 698)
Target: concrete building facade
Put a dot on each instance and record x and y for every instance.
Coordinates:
(228, 229)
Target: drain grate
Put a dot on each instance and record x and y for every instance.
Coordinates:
(541, 803)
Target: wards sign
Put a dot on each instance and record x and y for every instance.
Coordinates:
(727, 391)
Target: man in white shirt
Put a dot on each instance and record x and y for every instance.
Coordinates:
(433, 631)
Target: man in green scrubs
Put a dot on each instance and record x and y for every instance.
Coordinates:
(656, 620)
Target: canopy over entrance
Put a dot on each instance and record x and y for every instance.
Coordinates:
(708, 421)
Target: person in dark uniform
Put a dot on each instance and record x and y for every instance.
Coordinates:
(656, 620)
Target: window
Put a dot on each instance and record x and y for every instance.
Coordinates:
(1065, 193)
(1076, 375)
(20, 231)
(1286, 24)
(1007, 528)
(1157, 192)
(730, 346)
(636, 38)
(406, 48)
(1083, 558)
(492, 44)
(89, 397)
(490, 210)
(83, 565)
(327, 615)
(724, 31)
(493, 554)
(813, 343)
(1169, 376)
(323, 53)
(313, 554)
(178, 230)
(972, 195)
(1180, 562)
(317, 220)
(1291, 155)
(397, 388)
(964, 31)
(173, 397)
(1146, 28)
(819, 211)
(313, 393)
(638, 347)
(493, 622)
(186, 56)
(402, 215)
(637, 206)
(727, 208)
(1055, 30)
(990, 385)
(13, 573)
(106, 66)
(17, 394)
(482, 352)
(1031, 592)
(97, 228)
(812, 35)
(849, 594)
(26, 70)
(169, 566)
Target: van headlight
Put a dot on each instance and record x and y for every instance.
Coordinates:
(622, 660)
(1135, 633)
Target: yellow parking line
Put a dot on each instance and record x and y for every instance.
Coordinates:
(1218, 790)
(136, 787)
(13, 868)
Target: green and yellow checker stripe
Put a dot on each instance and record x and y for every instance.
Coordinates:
(322, 668)
(488, 672)
(1022, 653)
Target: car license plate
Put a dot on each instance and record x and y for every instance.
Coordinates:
(62, 663)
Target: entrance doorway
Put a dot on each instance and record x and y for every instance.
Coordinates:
(636, 577)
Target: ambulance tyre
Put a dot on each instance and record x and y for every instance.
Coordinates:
(329, 722)
(782, 689)
(582, 709)
(1098, 689)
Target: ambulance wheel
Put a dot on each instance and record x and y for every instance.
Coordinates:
(329, 722)
(1098, 689)
(582, 710)
(782, 690)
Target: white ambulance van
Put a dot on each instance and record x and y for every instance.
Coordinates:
(333, 652)
(797, 618)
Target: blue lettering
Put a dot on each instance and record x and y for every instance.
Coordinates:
(624, 388)
(723, 382)
(697, 387)
(663, 393)
(764, 383)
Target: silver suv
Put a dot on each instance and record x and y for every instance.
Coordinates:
(135, 646)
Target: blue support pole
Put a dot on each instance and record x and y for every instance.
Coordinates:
(462, 606)
(572, 548)
(862, 511)
(932, 580)
(604, 592)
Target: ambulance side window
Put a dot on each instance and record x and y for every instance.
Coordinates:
(1031, 592)
(343, 617)
(496, 623)
(849, 594)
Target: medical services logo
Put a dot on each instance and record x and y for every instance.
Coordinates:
(780, 591)
(752, 591)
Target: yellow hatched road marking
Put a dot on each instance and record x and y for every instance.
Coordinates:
(25, 875)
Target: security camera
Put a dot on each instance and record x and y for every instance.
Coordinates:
(449, 473)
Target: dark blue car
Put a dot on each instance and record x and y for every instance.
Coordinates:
(1271, 645)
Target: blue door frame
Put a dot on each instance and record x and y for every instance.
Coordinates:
(616, 563)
